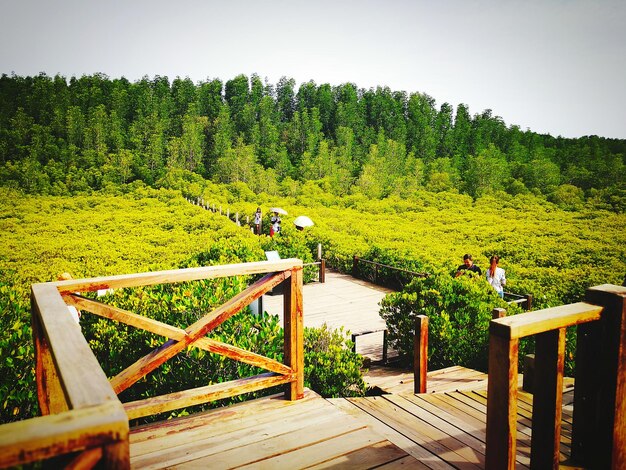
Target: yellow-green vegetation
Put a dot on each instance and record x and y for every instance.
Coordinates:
(548, 252)
(134, 230)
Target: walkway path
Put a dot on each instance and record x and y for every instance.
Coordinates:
(341, 301)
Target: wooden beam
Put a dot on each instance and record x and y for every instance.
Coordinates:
(420, 354)
(52, 435)
(175, 275)
(170, 348)
(609, 438)
(588, 343)
(293, 322)
(196, 396)
(172, 332)
(532, 323)
(547, 399)
(501, 403)
(50, 394)
(83, 382)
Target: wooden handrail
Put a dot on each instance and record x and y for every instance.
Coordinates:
(85, 414)
(356, 260)
(599, 429)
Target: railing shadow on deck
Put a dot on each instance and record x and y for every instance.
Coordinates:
(83, 419)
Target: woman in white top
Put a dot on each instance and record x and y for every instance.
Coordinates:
(496, 276)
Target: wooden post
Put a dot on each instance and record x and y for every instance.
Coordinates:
(49, 391)
(501, 402)
(498, 313)
(547, 399)
(385, 346)
(323, 271)
(294, 332)
(529, 302)
(599, 426)
(355, 263)
(420, 354)
(353, 339)
(528, 382)
(588, 338)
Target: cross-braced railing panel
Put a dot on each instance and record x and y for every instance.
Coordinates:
(72, 387)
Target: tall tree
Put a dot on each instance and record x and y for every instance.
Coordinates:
(421, 137)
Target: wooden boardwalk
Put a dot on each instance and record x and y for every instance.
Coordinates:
(269, 433)
(443, 430)
(341, 301)
(448, 430)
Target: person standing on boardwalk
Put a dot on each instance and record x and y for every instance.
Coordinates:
(275, 227)
(468, 265)
(257, 221)
(496, 276)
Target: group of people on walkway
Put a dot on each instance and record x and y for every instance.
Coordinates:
(495, 275)
(275, 222)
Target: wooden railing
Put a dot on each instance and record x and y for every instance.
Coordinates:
(322, 269)
(375, 276)
(84, 421)
(599, 423)
(526, 300)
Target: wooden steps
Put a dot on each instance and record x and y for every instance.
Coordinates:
(438, 430)
(447, 430)
(392, 380)
(265, 433)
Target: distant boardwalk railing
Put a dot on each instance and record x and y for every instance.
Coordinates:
(397, 278)
(382, 274)
(83, 417)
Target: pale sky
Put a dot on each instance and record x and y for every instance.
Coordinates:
(553, 66)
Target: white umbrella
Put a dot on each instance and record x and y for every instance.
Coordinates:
(303, 221)
(278, 210)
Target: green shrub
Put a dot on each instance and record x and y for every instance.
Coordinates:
(458, 311)
(18, 392)
(330, 366)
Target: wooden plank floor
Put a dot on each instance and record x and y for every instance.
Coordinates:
(393, 380)
(341, 301)
(270, 433)
(433, 430)
(448, 430)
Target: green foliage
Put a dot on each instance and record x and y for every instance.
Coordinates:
(458, 311)
(18, 392)
(58, 138)
(330, 366)
(134, 229)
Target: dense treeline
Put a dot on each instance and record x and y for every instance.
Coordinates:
(60, 137)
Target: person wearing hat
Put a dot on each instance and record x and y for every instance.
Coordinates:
(275, 227)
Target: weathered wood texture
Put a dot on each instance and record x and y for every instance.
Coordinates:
(600, 436)
(447, 430)
(420, 354)
(61, 433)
(265, 433)
(70, 382)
